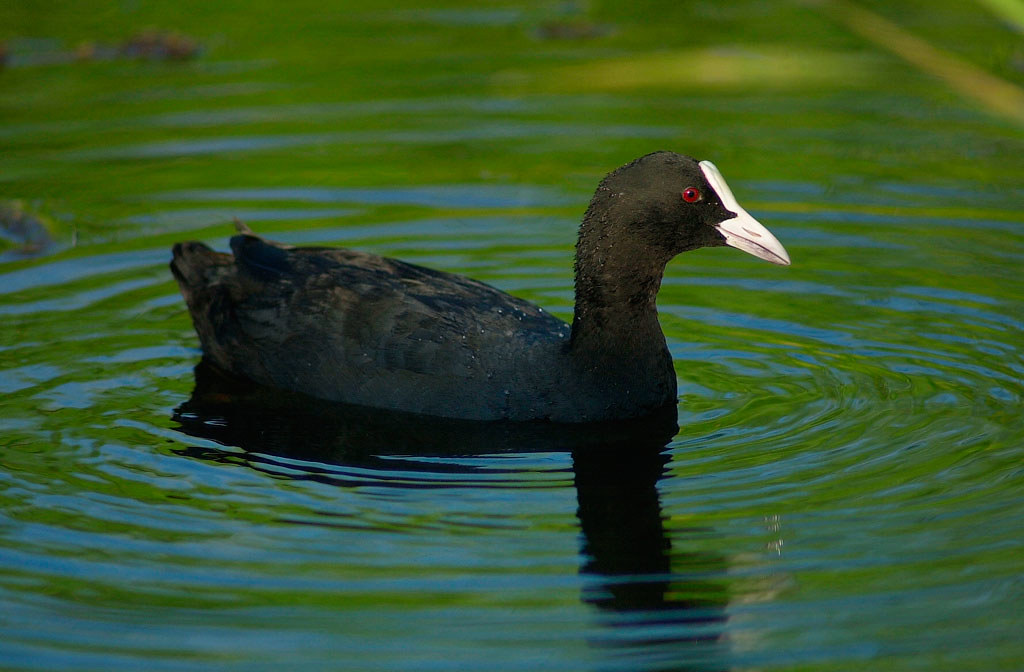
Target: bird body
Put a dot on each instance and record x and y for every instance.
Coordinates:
(358, 328)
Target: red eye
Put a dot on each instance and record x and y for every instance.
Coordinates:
(691, 194)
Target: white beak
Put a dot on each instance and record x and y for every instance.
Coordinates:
(743, 231)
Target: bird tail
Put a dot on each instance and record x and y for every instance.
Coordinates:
(195, 266)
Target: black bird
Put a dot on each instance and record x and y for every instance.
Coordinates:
(358, 328)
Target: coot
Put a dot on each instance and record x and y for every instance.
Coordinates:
(353, 327)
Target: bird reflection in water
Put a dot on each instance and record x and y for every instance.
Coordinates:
(662, 608)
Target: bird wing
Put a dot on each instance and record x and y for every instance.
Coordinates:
(357, 327)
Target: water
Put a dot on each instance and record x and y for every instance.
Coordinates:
(845, 490)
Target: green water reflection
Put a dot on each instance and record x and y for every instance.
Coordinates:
(845, 487)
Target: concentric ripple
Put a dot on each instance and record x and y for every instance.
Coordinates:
(844, 491)
(847, 443)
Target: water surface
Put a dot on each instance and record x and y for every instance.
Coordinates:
(844, 491)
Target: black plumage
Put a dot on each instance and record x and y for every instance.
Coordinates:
(354, 327)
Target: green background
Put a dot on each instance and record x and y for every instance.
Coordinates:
(845, 489)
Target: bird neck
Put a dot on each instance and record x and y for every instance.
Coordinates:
(617, 282)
